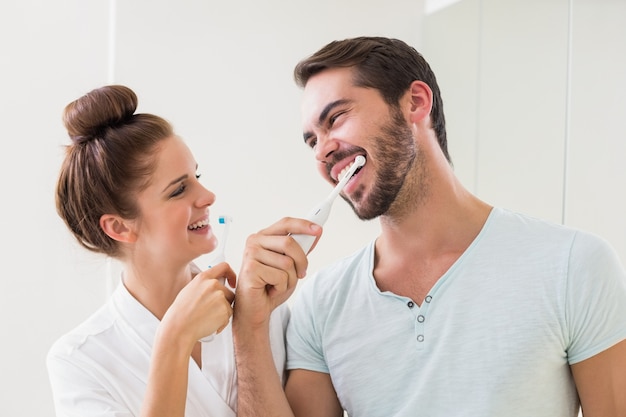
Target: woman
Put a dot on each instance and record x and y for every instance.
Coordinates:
(128, 188)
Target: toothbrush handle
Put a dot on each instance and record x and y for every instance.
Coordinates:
(318, 215)
(305, 242)
(219, 258)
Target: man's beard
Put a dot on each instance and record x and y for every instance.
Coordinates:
(396, 151)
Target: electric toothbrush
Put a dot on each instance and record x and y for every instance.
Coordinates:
(319, 214)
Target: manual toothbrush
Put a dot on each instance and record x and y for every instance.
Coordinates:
(220, 256)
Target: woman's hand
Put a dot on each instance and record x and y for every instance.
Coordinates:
(204, 306)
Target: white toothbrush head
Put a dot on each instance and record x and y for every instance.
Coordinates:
(359, 161)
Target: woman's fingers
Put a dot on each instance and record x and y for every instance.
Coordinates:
(204, 305)
(221, 272)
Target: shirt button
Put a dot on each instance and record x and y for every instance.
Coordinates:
(411, 304)
(420, 319)
(420, 338)
(428, 298)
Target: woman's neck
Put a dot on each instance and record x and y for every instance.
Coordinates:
(156, 286)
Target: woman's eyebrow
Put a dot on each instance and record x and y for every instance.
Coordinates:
(177, 180)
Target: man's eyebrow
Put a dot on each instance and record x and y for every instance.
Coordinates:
(177, 180)
(324, 114)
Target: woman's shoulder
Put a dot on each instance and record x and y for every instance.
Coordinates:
(96, 324)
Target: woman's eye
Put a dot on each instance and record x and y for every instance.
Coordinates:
(179, 190)
(198, 176)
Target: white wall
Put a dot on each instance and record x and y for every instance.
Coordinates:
(221, 72)
(51, 51)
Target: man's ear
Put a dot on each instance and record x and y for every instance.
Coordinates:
(421, 97)
(117, 228)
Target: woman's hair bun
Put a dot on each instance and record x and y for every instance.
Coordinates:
(91, 115)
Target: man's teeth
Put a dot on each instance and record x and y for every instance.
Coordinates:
(344, 171)
(198, 225)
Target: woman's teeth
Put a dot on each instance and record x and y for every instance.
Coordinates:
(199, 225)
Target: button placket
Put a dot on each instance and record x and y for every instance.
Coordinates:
(420, 322)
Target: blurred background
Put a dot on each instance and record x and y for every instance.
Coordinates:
(534, 93)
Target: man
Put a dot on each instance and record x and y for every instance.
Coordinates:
(458, 307)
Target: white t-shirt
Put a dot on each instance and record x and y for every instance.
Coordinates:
(101, 367)
(494, 337)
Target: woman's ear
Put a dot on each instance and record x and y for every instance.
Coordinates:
(421, 97)
(117, 228)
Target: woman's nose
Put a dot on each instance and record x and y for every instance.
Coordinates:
(207, 198)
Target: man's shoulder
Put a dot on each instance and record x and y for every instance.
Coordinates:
(528, 226)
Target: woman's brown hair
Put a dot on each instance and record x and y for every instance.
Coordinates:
(107, 163)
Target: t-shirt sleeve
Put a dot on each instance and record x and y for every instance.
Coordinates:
(595, 298)
(304, 342)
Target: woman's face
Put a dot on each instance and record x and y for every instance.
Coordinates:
(173, 224)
